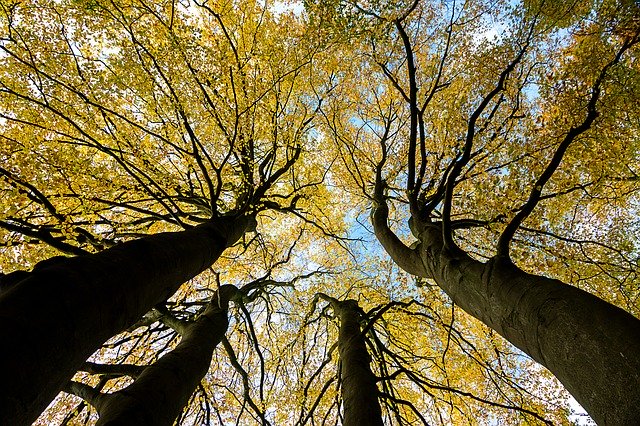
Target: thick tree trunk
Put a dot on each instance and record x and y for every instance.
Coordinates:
(591, 346)
(52, 320)
(359, 390)
(162, 390)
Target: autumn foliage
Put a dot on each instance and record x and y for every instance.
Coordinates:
(428, 208)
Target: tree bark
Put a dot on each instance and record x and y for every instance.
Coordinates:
(359, 390)
(52, 320)
(162, 390)
(591, 346)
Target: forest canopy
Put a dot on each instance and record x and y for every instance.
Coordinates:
(455, 184)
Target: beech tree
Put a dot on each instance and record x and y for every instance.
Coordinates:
(161, 390)
(229, 163)
(590, 345)
(71, 318)
(359, 391)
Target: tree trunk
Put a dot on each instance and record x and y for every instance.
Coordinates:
(162, 390)
(52, 320)
(591, 346)
(359, 390)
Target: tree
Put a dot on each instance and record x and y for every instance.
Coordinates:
(359, 391)
(161, 390)
(562, 327)
(129, 138)
(70, 319)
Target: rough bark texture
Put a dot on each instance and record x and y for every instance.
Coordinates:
(52, 320)
(160, 393)
(591, 346)
(359, 390)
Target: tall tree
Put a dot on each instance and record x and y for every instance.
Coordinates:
(161, 390)
(67, 308)
(359, 390)
(590, 345)
(140, 129)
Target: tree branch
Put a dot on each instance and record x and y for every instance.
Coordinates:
(536, 193)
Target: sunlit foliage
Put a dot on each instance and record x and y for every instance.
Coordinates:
(120, 119)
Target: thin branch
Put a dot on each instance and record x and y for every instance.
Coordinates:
(447, 232)
(504, 241)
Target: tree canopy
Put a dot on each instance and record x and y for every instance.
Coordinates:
(404, 162)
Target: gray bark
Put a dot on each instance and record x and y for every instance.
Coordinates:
(359, 389)
(162, 390)
(591, 346)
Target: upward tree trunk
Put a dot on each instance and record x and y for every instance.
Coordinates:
(53, 319)
(162, 390)
(591, 346)
(359, 390)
